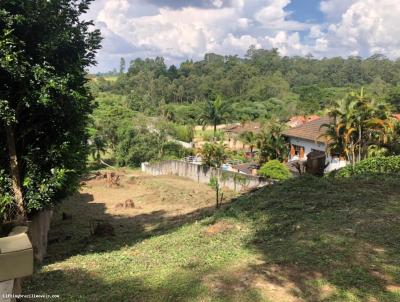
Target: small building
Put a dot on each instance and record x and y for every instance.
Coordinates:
(238, 129)
(307, 138)
(234, 132)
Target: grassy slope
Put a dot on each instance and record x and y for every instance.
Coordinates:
(303, 240)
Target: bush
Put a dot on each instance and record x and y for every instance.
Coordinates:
(181, 132)
(213, 155)
(208, 135)
(375, 165)
(137, 146)
(140, 145)
(274, 169)
(172, 150)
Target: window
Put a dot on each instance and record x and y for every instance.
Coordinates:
(297, 150)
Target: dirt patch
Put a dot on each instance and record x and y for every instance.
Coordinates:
(219, 227)
(139, 205)
(127, 204)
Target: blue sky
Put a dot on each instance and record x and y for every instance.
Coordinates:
(187, 29)
(306, 11)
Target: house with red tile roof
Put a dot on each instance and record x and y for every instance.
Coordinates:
(307, 138)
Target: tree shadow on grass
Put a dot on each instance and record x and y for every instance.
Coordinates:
(186, 284)
(325, 240)
(73, 236)
(83, 285)
(335, 240)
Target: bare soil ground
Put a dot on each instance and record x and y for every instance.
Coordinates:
(172, 195)
(139, 206)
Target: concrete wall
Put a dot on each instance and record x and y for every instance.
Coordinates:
(200, 173)
(38, 230)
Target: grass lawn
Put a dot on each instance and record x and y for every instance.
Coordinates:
(306, 239)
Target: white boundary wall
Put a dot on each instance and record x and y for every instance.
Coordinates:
(202, 174)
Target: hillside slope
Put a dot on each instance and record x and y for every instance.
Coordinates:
(306, 239)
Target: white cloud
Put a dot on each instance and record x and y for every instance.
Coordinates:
(273, 15)
(163, 28)
(366, 27)
(334, 9)
(225, 27)
(288, 44)
(232, 45)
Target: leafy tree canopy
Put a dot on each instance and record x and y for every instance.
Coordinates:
(45, 47)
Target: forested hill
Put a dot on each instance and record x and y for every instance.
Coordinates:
(264, 84)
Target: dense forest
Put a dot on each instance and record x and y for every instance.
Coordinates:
(261, 85)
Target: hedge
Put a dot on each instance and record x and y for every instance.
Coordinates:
(375, 165)
(275, 170)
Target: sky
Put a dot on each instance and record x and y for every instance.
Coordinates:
(187, 29)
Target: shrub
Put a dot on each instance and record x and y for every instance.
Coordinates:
(172, 150)
(137, 146)
(182, 133)
(375, 165)
(140, 145)
(208, 135)
(276, 170)
(213, 155)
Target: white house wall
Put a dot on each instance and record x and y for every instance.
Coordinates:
(308, 145)
(334, 163)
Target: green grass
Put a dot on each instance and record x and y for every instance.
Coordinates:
(311, 239)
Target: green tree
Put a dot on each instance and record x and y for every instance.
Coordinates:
(44, 103)
(136, 146)
(214, 183)
(214, 113)
(358, 121)
(213, 154)
(97, 147)
(122, 66)
(250, 139)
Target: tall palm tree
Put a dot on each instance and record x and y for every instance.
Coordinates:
(215, 113)
(335, 143)
(250, 139)
(271, 143)
(358, 122)
(98, 146)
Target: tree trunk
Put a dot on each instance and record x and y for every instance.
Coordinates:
(15, 176)
(215, 130)
(353, 155)
(217, 195)
(360, 142)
